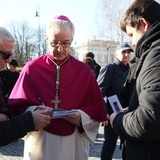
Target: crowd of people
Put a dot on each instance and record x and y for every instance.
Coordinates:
(29, 100)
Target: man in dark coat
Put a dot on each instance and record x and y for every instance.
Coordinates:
(9, 77)
(111, 80)
(141, 125)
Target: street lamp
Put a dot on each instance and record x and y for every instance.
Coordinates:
(39, 32)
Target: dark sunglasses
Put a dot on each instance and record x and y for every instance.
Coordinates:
(5, 55)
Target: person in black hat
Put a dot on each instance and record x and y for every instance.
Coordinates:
(111, 80)
(9, 77)
(97, 67)
(13, 63)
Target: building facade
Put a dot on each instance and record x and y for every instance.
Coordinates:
(103, 50)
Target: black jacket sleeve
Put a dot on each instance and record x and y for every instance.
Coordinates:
(3, 107)
(15, 128)
(105, 78)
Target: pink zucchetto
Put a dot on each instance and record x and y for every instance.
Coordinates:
(62, 17)
(57, 22)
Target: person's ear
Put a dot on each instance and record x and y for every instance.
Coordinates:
(144, 24)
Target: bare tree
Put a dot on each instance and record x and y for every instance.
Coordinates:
(27, 41)
(110, 14)
(43, 40)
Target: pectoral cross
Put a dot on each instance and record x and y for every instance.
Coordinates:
(56, 101)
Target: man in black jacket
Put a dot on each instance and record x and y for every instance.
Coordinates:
(9, 77)
(12, 128)
(111, 80)
(141, 125)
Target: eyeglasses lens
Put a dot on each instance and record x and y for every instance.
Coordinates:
(5, 55)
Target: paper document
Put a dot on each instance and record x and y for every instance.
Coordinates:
(60, 113)
(115, 104)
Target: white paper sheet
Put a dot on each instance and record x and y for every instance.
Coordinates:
(60, 113)
(115, 104)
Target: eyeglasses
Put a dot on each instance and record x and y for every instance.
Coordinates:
(63, 44)
(5, 55)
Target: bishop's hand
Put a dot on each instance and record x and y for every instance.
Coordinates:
(48, 110)
(74, 118)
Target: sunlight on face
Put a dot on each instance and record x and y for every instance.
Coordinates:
(62, 35)
(134, 33)
(123, 56)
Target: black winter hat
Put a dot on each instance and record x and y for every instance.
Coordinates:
(14, 63)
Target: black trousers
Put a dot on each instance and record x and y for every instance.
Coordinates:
(109, 144)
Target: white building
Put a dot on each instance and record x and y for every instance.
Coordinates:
(103, 50)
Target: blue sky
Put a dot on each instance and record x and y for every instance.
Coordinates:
(81, 12)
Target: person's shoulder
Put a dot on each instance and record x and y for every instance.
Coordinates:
(109, 65)
(5, 72)
(96, 64)
(79, 65)
(31, 65)
(35, 61)
(2, 72)
(76, 61)
(117, 64)
(17, 73)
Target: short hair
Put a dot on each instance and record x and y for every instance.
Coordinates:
(147, 9)
(59, 23)
(6, 35)
(90, 54)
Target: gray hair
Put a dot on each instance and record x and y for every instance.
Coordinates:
(6, 35)
(57, 24)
